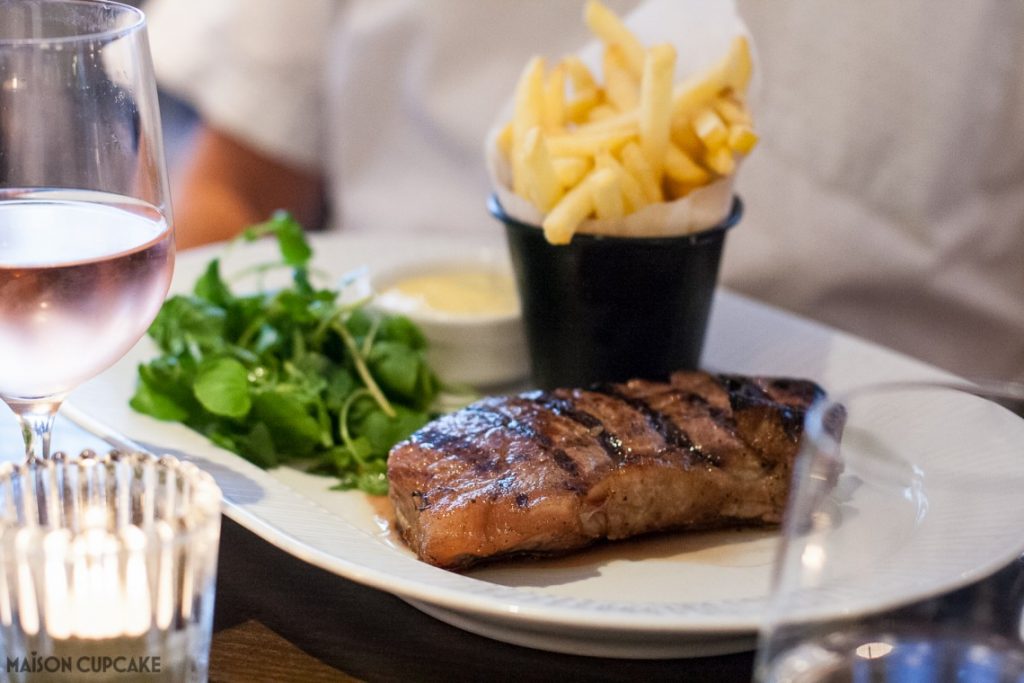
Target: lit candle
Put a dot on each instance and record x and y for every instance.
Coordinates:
(95, 614)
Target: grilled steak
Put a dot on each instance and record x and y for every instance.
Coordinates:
(549, 472)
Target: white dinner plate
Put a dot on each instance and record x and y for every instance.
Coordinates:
(672, 596)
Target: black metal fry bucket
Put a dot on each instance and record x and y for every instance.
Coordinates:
(612, 308)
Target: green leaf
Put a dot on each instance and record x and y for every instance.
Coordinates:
(383, 432)
(267, 340)
(371, 479)
(150, 402)
(300, 276)
(258, 446)
(400, 329)
(361, 450)
(313, 363)
(339, 459)
(222, 387)
(245, 317)
(292, 308)
(211, 287)
(340, 384)
(373, 482)
(427, 385)
(291, 238)
(294, 431)
(359, 323)
(395, 367)
(172, 378)
(182, 319)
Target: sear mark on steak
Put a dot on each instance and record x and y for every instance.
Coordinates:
(563, 406)
(674, 435)
(550, 472)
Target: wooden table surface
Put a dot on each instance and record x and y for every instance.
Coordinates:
(280, 619)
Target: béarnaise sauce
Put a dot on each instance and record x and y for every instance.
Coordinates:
(463, 292)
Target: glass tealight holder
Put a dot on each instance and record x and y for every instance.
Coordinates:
(107, 568)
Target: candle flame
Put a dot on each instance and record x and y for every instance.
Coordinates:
(137, 609)
(103, 603)
(165, 581)
(55, 611)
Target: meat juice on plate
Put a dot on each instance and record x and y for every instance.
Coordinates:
(907, 657)
(80, 281)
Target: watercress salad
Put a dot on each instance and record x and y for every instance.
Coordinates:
(290, 375)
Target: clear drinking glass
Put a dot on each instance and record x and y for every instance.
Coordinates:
(86, 245)
(107, 568)
(902, 540)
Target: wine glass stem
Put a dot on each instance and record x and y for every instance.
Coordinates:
(36, 419)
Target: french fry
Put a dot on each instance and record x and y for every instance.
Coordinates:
(553, 114)
(570, 170)
(636, 163)
(610, 29)
(608, 202)
(738, 65)
(626, 122)
(720, 160)
(632, 194)
(685, 138)
(578, 108)
(710, 129)
(601, 112)
(681, 168)
(656, 106)
(529, 100)
(621, 88)
(578, 203)
(575, 144)
(696, 92)
(542, 184)
(742, 138)
(732, 72)
(705, 89)
(732, 111)
(529, 108)
(677, 190)
(579, 74)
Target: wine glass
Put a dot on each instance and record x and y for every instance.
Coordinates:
(901, 556)
(86, 245)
